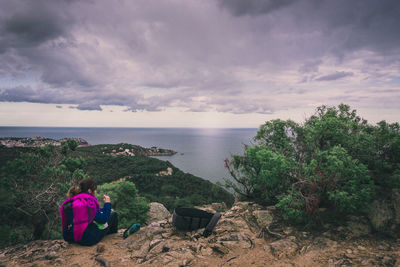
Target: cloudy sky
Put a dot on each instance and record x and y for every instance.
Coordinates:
(191, 63)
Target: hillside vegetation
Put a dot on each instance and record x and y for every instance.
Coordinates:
(34, 182)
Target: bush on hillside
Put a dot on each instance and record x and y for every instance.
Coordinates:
(125, 201)
(335, 160)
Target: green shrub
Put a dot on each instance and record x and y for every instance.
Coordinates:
(183, 202)
(335, 160)
(5, 231)
(169, 189)
(126, 202)
(196, 199)
(292, 204)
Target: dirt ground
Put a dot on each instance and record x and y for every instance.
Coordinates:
(368, 251)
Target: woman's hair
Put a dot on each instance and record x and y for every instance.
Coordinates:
(83, 187)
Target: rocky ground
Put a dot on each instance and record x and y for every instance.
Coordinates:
(247, 234)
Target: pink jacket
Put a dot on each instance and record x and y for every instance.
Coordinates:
(84, 208)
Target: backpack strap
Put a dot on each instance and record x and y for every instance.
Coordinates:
(210, 226)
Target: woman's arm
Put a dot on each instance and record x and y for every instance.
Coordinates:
(103, 214)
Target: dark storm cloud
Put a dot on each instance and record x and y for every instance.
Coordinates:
(356, 24)
(31, 29)
(26, 24)
(352, 24)
(335, 76)
(34, 35)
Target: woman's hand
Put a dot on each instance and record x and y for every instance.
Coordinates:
(106, 199)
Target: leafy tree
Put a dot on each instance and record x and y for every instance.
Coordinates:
(333, 180)
(197, 199)
(126, 201)
(169, 189)
(261, 172)
(68, 145)
(335, 160)
(32, 189)
(183, 202)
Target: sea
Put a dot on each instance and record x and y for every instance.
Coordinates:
(200, 151)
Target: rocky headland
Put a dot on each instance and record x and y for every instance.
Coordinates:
(122, 149)
(246, 235)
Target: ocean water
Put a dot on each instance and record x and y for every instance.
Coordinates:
(200, 151)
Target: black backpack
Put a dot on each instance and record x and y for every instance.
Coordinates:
(189, 219)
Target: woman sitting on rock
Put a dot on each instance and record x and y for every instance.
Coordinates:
(83, 221)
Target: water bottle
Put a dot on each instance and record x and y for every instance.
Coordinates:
(132, 229)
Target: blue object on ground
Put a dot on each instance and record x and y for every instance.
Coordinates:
(131, 229)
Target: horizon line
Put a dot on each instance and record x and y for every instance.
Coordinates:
(125, 127)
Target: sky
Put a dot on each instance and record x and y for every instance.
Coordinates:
(190, 63)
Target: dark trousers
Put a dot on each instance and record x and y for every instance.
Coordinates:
(93, 234)
(112, 224)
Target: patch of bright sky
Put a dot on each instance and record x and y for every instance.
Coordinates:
(32, 114)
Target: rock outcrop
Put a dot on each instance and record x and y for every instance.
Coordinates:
(247, 234)
(157, 212)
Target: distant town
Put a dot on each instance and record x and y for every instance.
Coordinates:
(122, 149)
(38, 141)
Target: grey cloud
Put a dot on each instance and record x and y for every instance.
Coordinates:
(33, 28)
(335, 76)
(346, 99)
(62, 71)
(245, 108)
(35, 35)
(25, 94)
(84, 100)
(387, 91)
(29, 94)
(310, 66)
(201, 108)
(385, 101)
(89, 106)
(30, 23)
(353, 25)
(253, 7)
(227, 104)
(343, 25)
